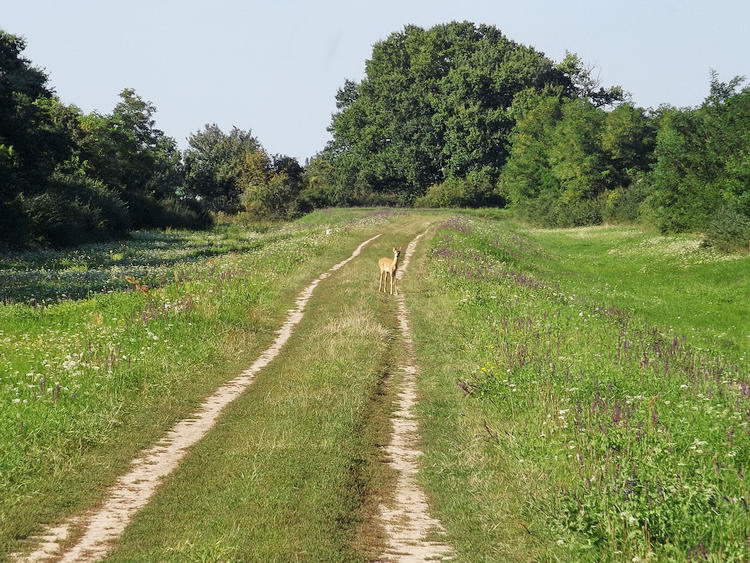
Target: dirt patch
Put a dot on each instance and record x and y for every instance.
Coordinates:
(133, 490)
(406, 520)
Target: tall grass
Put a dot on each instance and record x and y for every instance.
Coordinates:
(603, 435)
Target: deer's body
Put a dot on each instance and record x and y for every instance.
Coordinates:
(388, 267)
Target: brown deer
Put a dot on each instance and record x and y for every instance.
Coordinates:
(138, 286)
(388, 269)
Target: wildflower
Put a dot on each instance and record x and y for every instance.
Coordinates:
(560, 542)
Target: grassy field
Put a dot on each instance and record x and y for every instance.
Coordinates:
(585, 393)
(86, 383)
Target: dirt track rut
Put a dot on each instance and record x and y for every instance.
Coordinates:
(406, 520)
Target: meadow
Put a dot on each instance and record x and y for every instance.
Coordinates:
(94, 367)
(586, 390)
(584, 393)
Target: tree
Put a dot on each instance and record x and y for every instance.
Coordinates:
(628, 139)
(528, 174)
(701, 164)
(214, 164)
(433, 104)
(584, 85)
(271, 185)
(319, 185)
(31, 143)
(576, 157)
(571, 161)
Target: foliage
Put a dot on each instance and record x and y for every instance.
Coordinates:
(271, 185)
(728, 231)
(75, 209)
(67, 177)
(701, 159)
(319, 188)
(475, 190)
(573, 163)
(214, 163)
(434, 104)
(572, 382)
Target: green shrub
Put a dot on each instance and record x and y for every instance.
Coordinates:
(579, 213)
(14, 226)
(729, 231)
(74, 209)
(59, 221)
(625, 205)
(548, 210)
(477, 189)
(149, 212)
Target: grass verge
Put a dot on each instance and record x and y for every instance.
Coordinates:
(561, 427)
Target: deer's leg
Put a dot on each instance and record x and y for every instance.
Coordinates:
(391, 274)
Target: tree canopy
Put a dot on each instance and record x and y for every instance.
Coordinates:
(67, 177)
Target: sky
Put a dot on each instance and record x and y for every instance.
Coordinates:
(274, 66)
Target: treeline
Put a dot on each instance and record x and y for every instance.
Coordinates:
(686, 169)
(455, 115)
(431, 121)
(459, 115)
(68, 177)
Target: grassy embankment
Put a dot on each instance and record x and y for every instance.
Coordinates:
(584, 393)
(86, 383)
(290, 472)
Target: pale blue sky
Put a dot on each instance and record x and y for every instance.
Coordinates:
(274, 66)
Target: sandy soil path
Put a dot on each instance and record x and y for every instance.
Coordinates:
(133, 490)
(411, 533)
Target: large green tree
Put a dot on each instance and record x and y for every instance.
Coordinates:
(67, 177)
(433, 104)
(31, 142)
(574, 163)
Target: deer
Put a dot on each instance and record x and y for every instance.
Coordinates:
(388, 269)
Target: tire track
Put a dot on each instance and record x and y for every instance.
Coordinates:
(407, 523)
(133, 490)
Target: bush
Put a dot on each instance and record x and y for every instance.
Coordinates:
(624, 205)
(729, 231)
(59, 221)
(151, 213)
(548, 210)
(75, 209)
(14, 227)
(475, 190)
